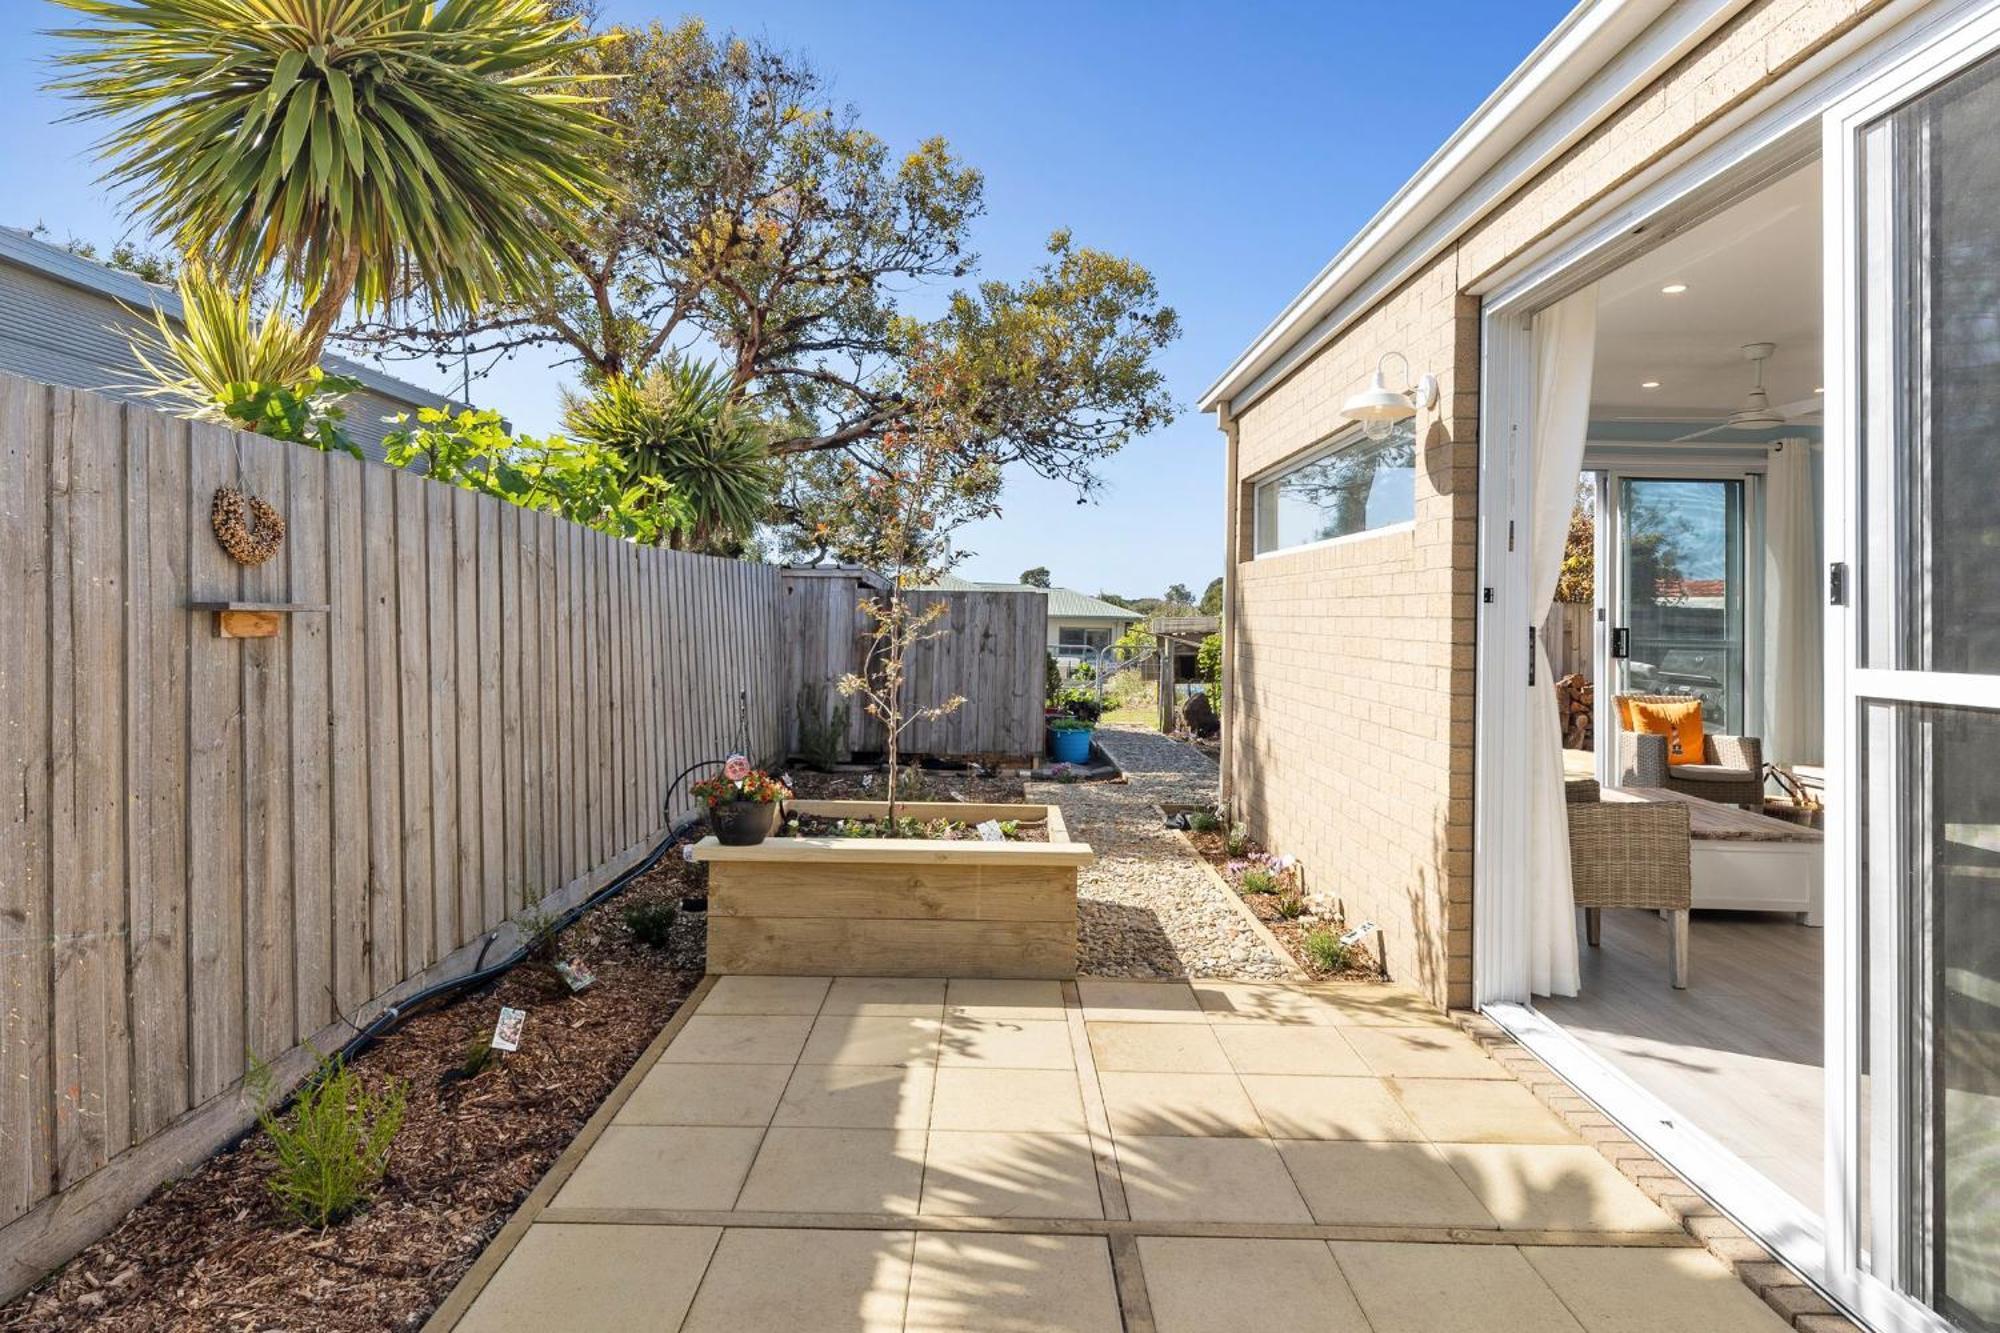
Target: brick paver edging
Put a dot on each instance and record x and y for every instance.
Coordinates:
(1795, 1300)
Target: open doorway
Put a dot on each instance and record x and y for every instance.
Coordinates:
(1695, 608)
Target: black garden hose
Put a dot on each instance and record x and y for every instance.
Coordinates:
(401, 1012)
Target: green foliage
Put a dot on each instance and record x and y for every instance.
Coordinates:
(1238, 841)
(1208, 663)
(1083, 671)
(1133, 642)
(1071, 724)
(1038, 577)
(1211, 599)
(1204, 821)
(1080, 703)
(1052, 679)
(678, 424)
(1258, 880)
(1578, 580)
(822, 730)
(537, 925)
(579, 481)
(310, 414)
(1323, 949)
(1289, 907)
(332, 1147)
(651, 923)
(224, 362)
(1179, 594)
(353, 146)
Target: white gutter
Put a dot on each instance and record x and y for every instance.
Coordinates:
(1602, 53)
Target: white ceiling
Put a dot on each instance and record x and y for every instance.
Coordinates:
(1752, 275)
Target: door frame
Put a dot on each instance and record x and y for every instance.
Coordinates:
(1907, 48)
(1851, 685)
(1608, 576)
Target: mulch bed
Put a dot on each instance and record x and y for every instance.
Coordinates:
(213, 1251)
(912, 784)
(1290, 931)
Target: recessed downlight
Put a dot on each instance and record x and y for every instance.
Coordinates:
(1650, 384)
(1673, 289)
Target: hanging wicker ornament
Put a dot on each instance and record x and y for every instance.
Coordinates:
(249, 529)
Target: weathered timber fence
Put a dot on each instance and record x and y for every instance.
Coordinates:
(988, 647)
(213, 846)
(1567, 638)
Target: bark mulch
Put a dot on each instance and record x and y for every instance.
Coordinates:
(213, 1251)
(982, 787)
(1290, 931)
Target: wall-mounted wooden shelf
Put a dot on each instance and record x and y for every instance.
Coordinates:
(255, 620)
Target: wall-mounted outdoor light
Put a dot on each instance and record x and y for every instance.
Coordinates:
(1378, 407)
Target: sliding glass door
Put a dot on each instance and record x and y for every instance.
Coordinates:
(1916, 1070)
(1678, 621)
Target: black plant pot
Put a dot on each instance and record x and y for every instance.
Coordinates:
(744, 823)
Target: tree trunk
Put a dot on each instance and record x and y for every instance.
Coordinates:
(331, 299)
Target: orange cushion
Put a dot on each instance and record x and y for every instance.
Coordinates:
(1679, 722)
(1624, 713)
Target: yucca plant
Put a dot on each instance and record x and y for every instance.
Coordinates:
(225, 362)
(222, 340)
(678, 423)
(353, 146)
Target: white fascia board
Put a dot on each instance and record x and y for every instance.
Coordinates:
(1598, 57)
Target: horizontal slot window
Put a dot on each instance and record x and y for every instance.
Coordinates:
(1352, 485)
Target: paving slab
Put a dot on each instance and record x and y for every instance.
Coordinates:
(888, 1154)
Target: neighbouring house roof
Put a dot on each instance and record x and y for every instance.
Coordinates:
(1600, 55)
(1064, 603)
(23, 250)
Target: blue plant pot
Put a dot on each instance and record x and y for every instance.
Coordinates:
(1069, 747)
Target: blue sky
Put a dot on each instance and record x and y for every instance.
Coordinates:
(1232, 148)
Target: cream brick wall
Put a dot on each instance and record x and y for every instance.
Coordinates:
(1351, 712)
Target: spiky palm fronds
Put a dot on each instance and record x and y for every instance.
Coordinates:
(345, 143)
(678, 423)
(221, 342)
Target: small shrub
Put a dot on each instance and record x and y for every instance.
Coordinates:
(1208, 662)
(538, 933)
(1204, 821)
(1239, 839)
(1259, 880)
(822, 730)
(651, 924)
(1290, 907)
(333, 1146)
(1324, 950)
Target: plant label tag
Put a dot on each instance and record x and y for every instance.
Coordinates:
(575, 975)
(1359, 933)
(990, 831)
(507, 1032)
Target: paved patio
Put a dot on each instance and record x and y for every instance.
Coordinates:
(1103, 1155)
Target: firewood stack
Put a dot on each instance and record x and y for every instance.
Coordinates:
(1575, 704)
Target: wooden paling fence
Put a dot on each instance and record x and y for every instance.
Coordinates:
(989, 647)
(212, 847)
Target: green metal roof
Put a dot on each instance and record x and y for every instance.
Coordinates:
(1064, 603)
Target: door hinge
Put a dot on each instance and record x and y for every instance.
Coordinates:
(1836, 584)
(1531, 654)
(1621, 641)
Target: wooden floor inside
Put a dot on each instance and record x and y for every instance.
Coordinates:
(1737, 1053)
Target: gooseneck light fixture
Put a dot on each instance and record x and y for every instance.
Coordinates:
(1378, 407)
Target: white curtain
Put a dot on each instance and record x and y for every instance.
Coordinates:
(1565, 344)
(1792, 650)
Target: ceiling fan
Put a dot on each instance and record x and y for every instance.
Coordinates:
(1757, 412)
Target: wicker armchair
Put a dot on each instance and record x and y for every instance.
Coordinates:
(1731, 771)
(1631, 854)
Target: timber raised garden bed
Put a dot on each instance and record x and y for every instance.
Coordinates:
(897, 907)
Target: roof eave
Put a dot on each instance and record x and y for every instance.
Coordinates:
(1589, 38)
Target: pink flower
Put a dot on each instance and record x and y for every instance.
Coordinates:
(736, 768)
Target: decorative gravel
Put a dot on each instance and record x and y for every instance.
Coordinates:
(1149, 907)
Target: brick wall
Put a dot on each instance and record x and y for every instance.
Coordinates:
(1351, 724)
(1351, 717)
